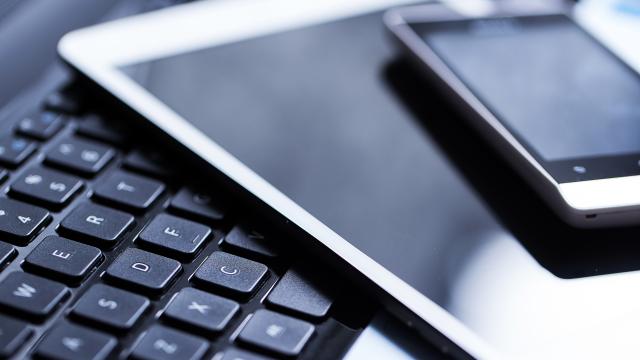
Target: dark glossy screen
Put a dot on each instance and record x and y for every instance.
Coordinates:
(554, 86)
(321, 113)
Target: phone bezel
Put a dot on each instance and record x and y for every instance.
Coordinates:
(99, 51)
(589, 203)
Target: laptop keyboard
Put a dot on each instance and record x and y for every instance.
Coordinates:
(107, 256)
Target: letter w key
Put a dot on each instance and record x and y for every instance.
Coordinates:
(25, 290)
(31, 296)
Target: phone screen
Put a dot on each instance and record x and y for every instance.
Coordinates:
(568, 99)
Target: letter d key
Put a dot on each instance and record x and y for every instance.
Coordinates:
(140, 267)
(143, 270)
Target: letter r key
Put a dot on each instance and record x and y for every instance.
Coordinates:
(94, 220)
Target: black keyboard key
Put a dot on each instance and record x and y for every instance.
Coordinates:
(62, 259)
(113, 308)
(41, 125)
(20, 221)
(7, 253)
(86, 158)
(299, 295)
(96, 128)
(201, 311)
(45, 187)
(72, 342)
(278, 334)
(13, 334)
(162, 343)
(235, 354)
(32, 296)
(250, 242)
(197, 205)
(14, 151)
(128, 190)
(4, 174)
(148, 163)
(143, 270)
(63, 103)
(175, 236)
(231, 274)
(96, 224)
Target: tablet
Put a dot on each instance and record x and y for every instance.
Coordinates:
(292, 101)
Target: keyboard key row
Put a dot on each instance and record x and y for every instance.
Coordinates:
(144, 271)
(104, 305)
(88, 222)
(118, 310)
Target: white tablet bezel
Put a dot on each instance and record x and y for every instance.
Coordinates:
(98, 51)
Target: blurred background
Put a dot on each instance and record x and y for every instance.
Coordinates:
(30, 29)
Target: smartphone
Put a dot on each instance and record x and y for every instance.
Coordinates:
(560, 106)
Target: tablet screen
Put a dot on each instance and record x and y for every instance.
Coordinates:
(311, 111)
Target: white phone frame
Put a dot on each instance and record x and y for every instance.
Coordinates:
(593, 203)
(99, 50)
